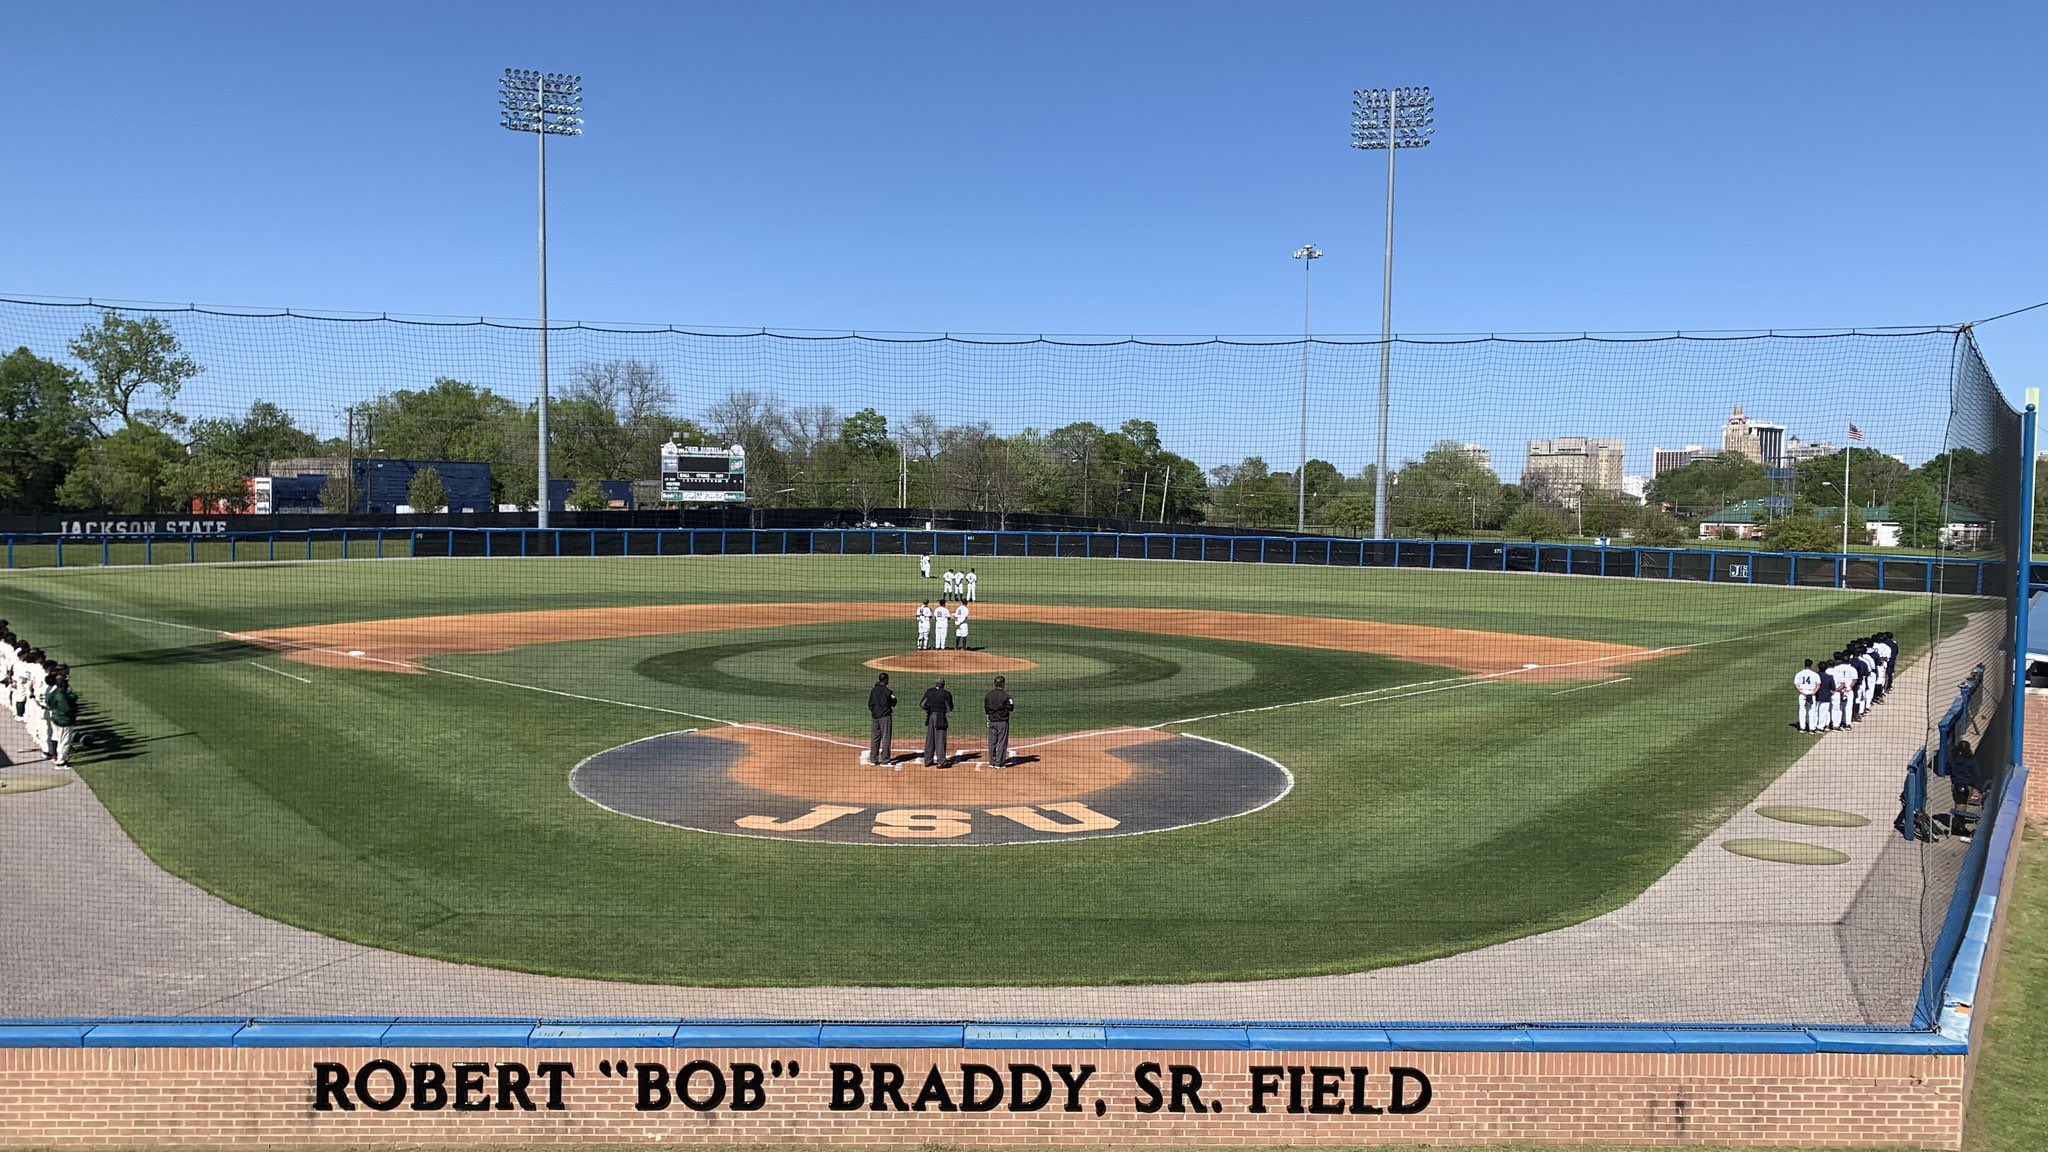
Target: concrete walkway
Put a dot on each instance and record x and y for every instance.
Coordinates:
(94, 928)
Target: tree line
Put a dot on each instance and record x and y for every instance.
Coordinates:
(104, 434)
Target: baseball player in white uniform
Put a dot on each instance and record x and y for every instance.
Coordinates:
(924, 567)
(1807, 681)
(960, 624)
(924, 625)
(952, 583)
(1845, 692)
(32, 714)
(941, 617)
(972, 580)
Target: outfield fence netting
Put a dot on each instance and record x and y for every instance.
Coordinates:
(1338, 785)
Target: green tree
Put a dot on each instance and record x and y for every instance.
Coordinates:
(122, 357)
(1707, 486)
(1436, 517)
(338, 495)
(1801, 533)
(1874, 478)
(866, 433)
(425, 492)
(1351, 512)
(1534, 522)
(42, 430)
(587, 497)
(266, 433)
(1918, 512)
(1655, 528)
(1859, 527)
(1727, 532)
(1602, 513)
(1968, 477)
(136, 471)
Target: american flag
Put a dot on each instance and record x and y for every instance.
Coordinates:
(1855, 433)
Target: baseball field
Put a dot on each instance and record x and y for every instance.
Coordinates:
(605, 767)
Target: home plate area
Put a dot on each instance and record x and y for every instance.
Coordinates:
(782, 784)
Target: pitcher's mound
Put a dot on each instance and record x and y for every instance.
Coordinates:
(950, 660)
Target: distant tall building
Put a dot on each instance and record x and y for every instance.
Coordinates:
(1663, 460)
(1799, 452)
(1759, 440)
(1568, 463)
(1477, 455)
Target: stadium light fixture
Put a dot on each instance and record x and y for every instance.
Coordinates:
(1389, 119)
(545, 104)
(1307, 254)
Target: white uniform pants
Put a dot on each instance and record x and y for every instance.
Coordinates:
(939, 633)
(60, 741)
(1809, 714)
(924, 635)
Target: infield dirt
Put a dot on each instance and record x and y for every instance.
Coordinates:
(392, 644)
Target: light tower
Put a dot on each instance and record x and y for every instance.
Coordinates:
(1307, 254)
(545, 104)
(1390, 119)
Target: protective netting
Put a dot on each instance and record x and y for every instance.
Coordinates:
(622, 767)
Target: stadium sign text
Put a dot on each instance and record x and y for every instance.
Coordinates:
(1150, 1087)
(144, 527)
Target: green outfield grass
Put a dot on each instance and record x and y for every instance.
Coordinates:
(431, 813)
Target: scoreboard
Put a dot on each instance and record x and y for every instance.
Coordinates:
(695, 474)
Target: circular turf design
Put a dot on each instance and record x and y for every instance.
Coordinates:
(1785, 851)
(784, 785)
(15, 784)
(1816, 817)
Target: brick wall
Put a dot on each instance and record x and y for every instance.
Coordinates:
(249, 1097)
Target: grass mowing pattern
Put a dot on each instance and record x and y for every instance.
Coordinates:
(431, 814)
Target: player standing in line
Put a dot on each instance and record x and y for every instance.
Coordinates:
(972, 580)
(1807, 681)
(924, 567)
(1886, 650)
(998, 705)
(1866, 678)
(38, 682)
(63, 708)
(952, 583)
(882, 724)
(937, 703)
(924, 625)
(1845, 692)
(960, 625)
(941, 618)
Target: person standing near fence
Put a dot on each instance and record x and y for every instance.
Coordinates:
(937, 705)
(998, 705)
(1807, 681)
(882, 724)
(924, 567)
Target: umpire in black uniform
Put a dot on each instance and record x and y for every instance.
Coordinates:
(882, 710)
(998, 704)
(937, 703)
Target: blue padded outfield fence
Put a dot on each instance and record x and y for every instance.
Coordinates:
(1965, 576)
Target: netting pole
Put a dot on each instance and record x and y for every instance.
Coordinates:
(2025, 554)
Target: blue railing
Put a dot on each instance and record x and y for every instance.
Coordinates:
(1955, 576)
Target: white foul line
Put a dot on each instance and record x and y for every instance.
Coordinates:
(1601, 684)
(1424, 692)
(280, 672)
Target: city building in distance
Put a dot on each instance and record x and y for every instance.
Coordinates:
(1663, 460)
(1759, 440)
(1565, 464)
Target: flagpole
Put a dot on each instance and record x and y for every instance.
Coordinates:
(1845, 496)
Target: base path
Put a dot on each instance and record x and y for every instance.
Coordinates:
(97, 929)
(390, 645)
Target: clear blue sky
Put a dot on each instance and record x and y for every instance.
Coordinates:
(1052, 167)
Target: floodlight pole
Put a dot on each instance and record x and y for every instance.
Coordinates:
(545, 104)
(1307, 254)
(1393, 119)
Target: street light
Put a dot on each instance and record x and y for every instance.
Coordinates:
(1389, 119)
(545, 104)
(1307, 254)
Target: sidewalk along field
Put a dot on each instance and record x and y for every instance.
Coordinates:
(431, 813)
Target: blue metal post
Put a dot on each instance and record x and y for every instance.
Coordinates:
(148, 551)
(2024, 588)
(270, 553)
(60, 551)
(106, 551)
(10, 551)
